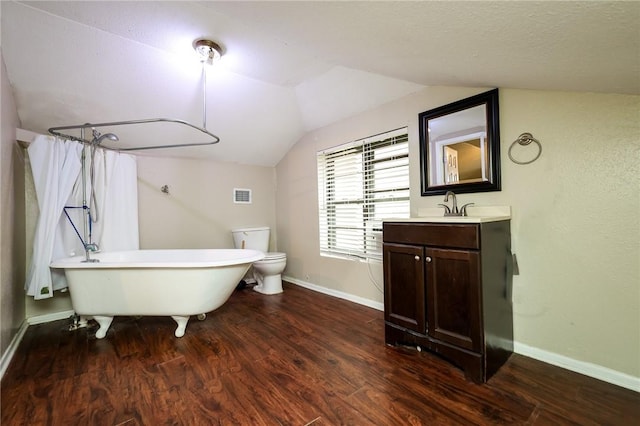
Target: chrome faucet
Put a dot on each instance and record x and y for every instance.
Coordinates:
(453, 211)
(90, 247)
(454, 206)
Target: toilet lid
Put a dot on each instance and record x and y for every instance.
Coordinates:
(274, 256)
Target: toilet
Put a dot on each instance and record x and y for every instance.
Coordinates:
(266, 272)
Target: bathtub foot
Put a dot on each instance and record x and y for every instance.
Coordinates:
(182, 324)
(104, 322)
(202, 317)
(78, 322)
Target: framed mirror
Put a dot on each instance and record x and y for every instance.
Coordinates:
(460, 146)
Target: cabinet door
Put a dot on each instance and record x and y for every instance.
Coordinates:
(404, 290)
(453, 297)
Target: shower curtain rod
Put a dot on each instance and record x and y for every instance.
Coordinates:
(56, 132)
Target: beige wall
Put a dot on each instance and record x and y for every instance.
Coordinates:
(12, 311)
(575, 226)
(199, 211)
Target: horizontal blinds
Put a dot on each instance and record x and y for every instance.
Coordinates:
(360, 184)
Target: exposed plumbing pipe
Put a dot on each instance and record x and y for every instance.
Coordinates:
(84, 194)
(92, 214)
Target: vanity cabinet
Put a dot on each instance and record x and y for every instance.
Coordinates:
(447, 289)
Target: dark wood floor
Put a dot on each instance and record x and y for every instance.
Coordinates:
(293, 359)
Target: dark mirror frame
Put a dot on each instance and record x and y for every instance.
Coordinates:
(490, 99)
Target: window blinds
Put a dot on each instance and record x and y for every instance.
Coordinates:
(359, 184)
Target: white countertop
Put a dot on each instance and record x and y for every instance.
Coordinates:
(478, 214)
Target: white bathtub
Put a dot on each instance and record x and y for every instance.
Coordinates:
(179, 283)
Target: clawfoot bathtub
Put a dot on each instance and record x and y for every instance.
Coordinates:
(176, 283)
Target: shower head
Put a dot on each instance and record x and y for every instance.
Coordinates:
(97, 140)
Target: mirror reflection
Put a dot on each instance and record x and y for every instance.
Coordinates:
(457, 142)
(459, 146)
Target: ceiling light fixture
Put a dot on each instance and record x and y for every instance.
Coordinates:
(208, 51)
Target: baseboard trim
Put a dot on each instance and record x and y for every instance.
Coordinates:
(592, 370)
(335, 293)
(7, 356)
(41, 319)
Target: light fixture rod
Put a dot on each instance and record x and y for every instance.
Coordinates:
(204, 96)
(209, 52)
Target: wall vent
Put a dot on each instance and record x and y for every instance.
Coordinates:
(241, 196)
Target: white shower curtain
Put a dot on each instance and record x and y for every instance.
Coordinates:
(56, 168)
(115, 178)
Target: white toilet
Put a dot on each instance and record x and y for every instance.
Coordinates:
(266, 272)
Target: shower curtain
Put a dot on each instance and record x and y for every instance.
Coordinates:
(56, 168)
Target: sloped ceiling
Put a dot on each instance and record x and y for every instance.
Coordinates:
(291, 67)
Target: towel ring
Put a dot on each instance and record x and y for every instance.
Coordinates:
(523, 140)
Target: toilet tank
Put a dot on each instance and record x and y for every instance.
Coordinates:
(251, 238)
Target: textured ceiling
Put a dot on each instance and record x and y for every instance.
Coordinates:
(290, 67)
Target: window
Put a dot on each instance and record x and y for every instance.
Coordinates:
(359, 184)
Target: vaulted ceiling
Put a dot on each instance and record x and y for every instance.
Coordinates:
(291, 67)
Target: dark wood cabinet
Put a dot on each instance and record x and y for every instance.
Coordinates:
(404, 298)
(453, 283)
(448, 290)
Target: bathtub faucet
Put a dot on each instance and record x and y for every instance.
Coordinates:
(90, 247)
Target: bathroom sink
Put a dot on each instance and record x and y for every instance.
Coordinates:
(478, 214)
(450, 219)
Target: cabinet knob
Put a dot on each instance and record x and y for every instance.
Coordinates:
(417, 258)
(428, 259)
